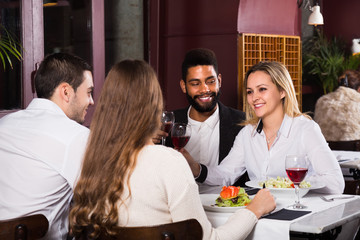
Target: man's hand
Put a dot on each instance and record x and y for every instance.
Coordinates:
(158, 136)
(194, 166)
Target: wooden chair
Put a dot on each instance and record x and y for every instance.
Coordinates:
(345, 145)
(24, 228)
(184, 230)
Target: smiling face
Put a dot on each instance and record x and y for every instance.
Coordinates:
(81, 99)
(202, 88)
(263, 96)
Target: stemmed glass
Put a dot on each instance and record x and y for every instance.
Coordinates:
(180, 134)
(167, 121)
(296, 167)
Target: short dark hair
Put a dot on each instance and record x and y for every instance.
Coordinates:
(196, 57)
(352, 79)
(56, 69)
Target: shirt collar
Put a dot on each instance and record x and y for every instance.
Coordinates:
(43, 103)
(211, 121)
(286, 126)
(283, 130)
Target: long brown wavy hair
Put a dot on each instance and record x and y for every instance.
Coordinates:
(127, 115)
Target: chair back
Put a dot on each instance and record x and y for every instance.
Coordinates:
(24, 228)
(184, 230)
(345, 145)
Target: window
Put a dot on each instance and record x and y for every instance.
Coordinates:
(44, 27)
(10, 77)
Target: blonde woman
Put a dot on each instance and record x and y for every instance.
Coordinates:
(126, 180)
(275, 127)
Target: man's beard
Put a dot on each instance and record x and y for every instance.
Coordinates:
(208, 107)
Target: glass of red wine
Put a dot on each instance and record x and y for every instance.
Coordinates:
(296, 167)
(180, 135)
(167, 121)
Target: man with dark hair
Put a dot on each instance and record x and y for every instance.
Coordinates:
(42, 146)
(214, 125)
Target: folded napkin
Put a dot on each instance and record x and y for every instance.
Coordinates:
(285, 214)
(251, 191)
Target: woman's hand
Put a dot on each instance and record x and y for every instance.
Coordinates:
(158, 136)
(262, 203)
(195, 166)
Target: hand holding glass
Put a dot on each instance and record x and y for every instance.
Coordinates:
(296, 167)
(180, 134)
(167, 120)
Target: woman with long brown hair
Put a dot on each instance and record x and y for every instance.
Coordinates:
(126, 180)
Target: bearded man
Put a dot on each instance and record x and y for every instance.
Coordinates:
(214, 125)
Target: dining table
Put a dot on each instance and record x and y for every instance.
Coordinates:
(333, 219)
(349, 162)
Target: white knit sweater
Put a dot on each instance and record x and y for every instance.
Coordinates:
(338, 115)
(163, 190)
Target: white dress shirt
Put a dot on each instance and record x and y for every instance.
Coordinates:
(203, 145)
(204, 142)
(41, 151)
(298, 135)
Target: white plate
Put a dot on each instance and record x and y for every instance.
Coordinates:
(284, 192)
(208, 202)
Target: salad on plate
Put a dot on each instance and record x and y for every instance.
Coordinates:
(232, 196)
(281, 182)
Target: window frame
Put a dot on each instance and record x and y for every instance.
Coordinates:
(32, 38)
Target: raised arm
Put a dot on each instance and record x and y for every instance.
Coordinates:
(231, 168)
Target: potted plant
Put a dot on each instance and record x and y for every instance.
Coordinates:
(9, 46)
(325, 60)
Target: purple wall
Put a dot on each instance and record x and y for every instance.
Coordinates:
(281, 17)
(341, 19)
(177, 26)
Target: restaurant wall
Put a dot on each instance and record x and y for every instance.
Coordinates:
(341, 19)
(174, 27)
(280, 17)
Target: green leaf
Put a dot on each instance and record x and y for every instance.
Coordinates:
(325, 60)
(9, 46)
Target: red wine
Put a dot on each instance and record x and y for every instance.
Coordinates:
(296, 175)
(166, 127)
(180, 142)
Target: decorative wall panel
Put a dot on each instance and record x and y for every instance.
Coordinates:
(254, 48)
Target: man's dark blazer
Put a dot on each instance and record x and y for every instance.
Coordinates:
(229, 128)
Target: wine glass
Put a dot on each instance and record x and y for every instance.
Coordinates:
(167, 121)
(296, 167)
(180, 134)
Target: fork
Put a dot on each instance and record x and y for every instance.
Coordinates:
(333, 198)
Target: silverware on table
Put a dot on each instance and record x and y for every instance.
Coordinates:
(333, 198)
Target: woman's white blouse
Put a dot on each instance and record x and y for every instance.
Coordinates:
(298, 135)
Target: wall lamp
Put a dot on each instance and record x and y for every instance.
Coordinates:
(315, 17)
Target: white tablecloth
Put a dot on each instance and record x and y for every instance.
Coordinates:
(279, 229)
(348, 159)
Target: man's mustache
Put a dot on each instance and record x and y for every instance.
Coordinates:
(205, 95)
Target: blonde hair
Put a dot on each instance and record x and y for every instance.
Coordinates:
(281, 78)
(127, 115)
